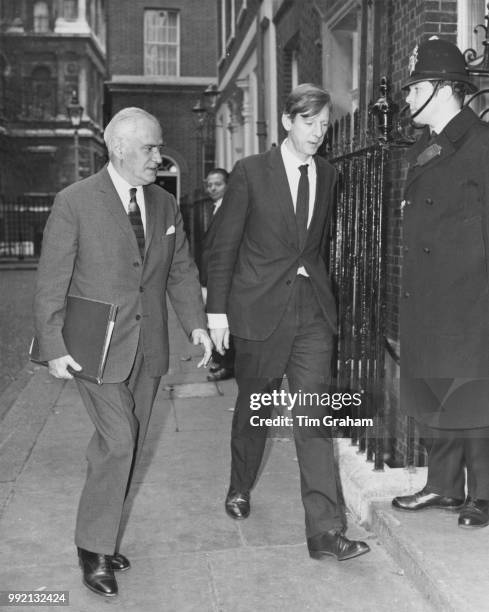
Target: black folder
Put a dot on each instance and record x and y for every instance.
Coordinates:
(87, 332)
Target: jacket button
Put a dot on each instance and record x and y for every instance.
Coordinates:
(429, 201)
(136, 264)
(138, 317)
(288, 282)
(426, 250)
(141, 289)
(407, 294)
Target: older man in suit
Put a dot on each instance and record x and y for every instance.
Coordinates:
(115, 237)
(267, 277)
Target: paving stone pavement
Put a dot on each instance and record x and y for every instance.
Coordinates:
(186, 553)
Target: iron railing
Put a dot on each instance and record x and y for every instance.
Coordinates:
(357, 268)
(22, 222)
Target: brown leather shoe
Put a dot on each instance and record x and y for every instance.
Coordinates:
(98, 574)
(237, 504)
(119, 562)
(474, 514)
(335, 544)
(423, 500)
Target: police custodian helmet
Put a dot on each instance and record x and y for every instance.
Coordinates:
(438, 60)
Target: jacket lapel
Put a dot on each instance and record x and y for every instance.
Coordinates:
(278, 178)
(151, 216)
(112, 202)
(319, 208)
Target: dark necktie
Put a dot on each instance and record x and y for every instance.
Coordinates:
(136, 221)
(302, 205)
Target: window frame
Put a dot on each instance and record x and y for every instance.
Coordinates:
(38, 18)
(155, 63)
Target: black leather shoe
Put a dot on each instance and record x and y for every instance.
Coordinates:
(335, 544)
(98, 574)
(237, 504)
(220, 374)
(424, 499)
(474, 514)
(214, 367)
(119, 562)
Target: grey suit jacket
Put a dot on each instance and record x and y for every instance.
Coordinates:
(90, 250)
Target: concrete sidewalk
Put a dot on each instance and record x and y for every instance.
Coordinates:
(186, 553)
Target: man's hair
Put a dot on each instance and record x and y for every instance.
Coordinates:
(124, 122)
(460, 90)
(221, 171)
(307, 100)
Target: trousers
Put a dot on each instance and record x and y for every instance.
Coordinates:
(301, 347)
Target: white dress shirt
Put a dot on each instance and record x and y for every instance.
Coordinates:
(122, 187)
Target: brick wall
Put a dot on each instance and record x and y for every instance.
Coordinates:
(171, 104)
(198, 31)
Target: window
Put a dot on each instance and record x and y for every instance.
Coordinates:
(70, 9)
(42, 99)
(41, 17)
(161, 43)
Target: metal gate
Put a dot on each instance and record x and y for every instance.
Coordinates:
(357, 268)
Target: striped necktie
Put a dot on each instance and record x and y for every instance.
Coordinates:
(302, 205)
(136, 221)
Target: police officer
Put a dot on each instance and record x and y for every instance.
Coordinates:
(444, 311)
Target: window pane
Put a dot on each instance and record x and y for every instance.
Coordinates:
(70, 9)
(161, 42)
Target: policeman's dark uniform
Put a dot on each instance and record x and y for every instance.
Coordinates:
(444, 313)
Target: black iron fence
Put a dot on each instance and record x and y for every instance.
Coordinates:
(22, 222)
(357, 263)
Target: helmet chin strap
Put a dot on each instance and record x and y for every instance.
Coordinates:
(435, 90)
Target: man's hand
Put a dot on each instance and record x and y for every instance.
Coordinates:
(220, 337)
(59, 367)
(200, 336)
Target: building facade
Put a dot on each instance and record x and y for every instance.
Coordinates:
(161, 57)
(265, 48)
(50, 51)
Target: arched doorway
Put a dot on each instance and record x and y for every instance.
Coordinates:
(169, 176)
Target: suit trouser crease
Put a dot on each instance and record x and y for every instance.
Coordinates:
(301, 347)
(120, 413)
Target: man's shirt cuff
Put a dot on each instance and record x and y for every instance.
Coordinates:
(217, 320)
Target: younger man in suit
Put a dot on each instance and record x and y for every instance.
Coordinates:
(117, 238)
(267, 276)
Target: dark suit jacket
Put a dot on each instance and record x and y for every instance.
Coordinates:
(206, 246)
(90, 250)
(444, 312)
(255, 256)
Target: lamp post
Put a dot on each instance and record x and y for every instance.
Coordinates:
(204, 114)
(199, 112)
(75, 113)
